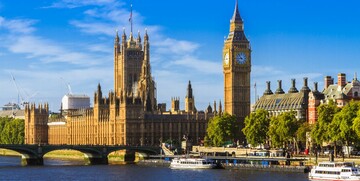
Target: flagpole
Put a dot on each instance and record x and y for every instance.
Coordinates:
(255, 92)
(131, 20)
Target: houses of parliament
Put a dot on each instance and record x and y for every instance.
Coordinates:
(131, 115)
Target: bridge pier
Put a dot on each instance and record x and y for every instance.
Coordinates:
(96, 160)
(32, 161)
(129, 156)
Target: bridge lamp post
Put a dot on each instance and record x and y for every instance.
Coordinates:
(160, 140)
(39, 140)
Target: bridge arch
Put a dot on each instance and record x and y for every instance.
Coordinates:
(94, 154)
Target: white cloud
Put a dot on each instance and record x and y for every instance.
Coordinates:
(79, 3)
(50, 87)
(94, 28)
(101, 48)
(23, 26)
(202, 66)
(48, 51)
(172, 46)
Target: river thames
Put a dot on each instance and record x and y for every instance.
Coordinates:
(10, 169)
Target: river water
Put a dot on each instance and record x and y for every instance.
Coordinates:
(10, 169)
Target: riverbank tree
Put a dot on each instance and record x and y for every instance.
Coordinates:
(320, 132)
(11, 130)
(283, 128)
(221, 129)
(256, 127)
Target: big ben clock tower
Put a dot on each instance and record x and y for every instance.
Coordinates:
(237, 68)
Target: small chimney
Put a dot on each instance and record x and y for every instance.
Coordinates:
(341, 80)
(268, 90)
(355, 76)
(279, 90)
(305, 88)
(328, 81)
(293, 88)
(316, 87)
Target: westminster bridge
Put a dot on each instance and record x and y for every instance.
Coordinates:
(94, 154)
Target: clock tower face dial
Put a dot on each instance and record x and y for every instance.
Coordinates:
(226, 59)
(241, 58)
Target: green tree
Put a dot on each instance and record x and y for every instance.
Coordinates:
(11, 130)
(356, 124)
(221, 129)
(326, 113)
(256, 127)
(344, 119)
(283, 128)
(301, 132)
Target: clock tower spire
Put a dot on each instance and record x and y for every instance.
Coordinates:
(236, 69)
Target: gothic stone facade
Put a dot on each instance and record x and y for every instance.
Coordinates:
(127, 116)
(130, 115)
(236, 69)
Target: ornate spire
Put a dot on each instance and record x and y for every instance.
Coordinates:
(138, 37)
(123, 36)
(189, 91)
(236, 26)
(117, 37)
(236, 17)
(146, 37)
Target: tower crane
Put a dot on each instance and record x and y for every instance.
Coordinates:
(68, 86)
(24, 100)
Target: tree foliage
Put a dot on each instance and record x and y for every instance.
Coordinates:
(256, 127)
(347, 117)
(301, 132)
(11, 130)
(221, 129)
(356, 124)
(344, 120)
(326, 113)
(283, 128)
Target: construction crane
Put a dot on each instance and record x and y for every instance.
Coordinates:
(24, 100)
(67, 85)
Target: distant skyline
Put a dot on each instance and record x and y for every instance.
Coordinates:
(48, 44)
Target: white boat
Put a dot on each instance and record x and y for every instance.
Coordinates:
(192, 163)
(335, 171)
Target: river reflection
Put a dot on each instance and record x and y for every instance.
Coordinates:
(11, 169)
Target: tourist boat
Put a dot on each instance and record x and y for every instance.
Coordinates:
(192, 163)
(335, 171)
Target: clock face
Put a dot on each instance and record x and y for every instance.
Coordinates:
(241, 58)
(226, 59)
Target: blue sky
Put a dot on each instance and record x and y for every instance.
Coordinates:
(47, 44)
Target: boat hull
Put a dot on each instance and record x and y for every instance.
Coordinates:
(192, 167)
(191, 163)
(334, 179)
